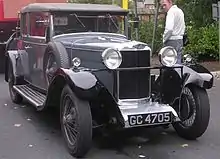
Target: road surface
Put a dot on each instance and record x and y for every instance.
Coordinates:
(27, 134)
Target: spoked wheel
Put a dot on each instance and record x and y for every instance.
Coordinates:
(194, 112)
(76, 123)
(15, 97)
(51, 67)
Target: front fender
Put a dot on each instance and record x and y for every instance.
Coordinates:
(198, 75)
(204, 77)
(171, 80)
(87, 87)
(84, 84)
(14, 58)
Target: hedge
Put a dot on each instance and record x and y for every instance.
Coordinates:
(204, 41)
(146, 33)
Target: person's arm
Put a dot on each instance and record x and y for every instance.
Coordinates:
(168, 26)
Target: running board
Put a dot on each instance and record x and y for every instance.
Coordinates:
(34, 97)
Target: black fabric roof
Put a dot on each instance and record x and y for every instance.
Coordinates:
(75, 7)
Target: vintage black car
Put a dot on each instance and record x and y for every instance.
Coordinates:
(79, 57)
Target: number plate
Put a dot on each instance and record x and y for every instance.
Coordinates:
(149, 119)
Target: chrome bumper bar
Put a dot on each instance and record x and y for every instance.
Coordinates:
(143, 107)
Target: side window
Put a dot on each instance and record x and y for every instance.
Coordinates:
(38, 23)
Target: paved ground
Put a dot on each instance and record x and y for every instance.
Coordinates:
(27, 134)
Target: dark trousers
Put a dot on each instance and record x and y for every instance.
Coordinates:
(178, 46)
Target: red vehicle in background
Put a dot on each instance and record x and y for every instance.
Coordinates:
(9, 19)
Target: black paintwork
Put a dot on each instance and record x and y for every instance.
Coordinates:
(173, 80)
(134, 84)
(73, 7)
(93, 81)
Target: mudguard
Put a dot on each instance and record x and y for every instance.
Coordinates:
(82, 81)
(199, 75)
(87, 87)
(171, 80)
(84, 84)
(19, 59)
(11, 56)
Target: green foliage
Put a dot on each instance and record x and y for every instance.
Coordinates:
(146, 33)
(197, 12)
(204, 42)
(202, 32)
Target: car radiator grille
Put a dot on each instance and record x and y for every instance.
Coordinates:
(134, 84)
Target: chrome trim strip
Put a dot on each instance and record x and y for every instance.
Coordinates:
(132, 102)
(35, 43)
(51, 26)
(90, 33)
(36, 37)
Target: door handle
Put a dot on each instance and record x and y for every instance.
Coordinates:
(28, 47)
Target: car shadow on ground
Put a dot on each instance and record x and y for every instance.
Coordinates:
(47, 122)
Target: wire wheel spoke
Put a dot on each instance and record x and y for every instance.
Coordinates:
(72, 131)
(70, 120)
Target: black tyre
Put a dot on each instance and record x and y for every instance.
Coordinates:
(55, 57)
(194, 112)
(76, 123)
(15, 97)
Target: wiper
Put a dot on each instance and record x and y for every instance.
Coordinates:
(116, 26)
(80, 21)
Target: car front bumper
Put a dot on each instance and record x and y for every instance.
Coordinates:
(146, 113)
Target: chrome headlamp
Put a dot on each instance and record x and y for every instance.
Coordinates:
(76, 62)
(187, 58)
(111, 58)
(168, 56)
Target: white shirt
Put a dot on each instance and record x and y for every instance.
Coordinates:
(175, 24)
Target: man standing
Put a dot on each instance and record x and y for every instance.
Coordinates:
(174, 27)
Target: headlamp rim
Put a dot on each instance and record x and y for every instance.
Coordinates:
(105, 53)
(163, 50)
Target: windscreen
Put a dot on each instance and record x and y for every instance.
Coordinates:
(73, 23)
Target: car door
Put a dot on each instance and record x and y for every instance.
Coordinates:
(35, 47)
(24, 47)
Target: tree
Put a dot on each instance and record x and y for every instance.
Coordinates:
(197, 12)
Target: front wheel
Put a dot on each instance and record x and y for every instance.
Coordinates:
(194, 113)
(76, 123)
